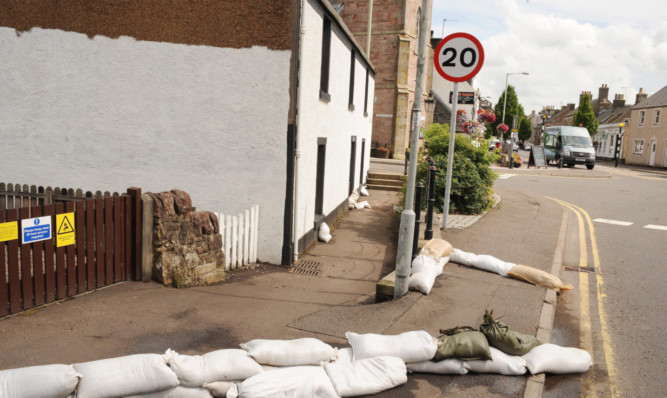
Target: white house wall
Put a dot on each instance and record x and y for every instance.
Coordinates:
(331, 120)
(443, 87)
(107, 114)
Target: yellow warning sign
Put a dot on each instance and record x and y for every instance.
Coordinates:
(9, 231)
(65, 235)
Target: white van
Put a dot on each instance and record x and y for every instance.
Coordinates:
(568, 146)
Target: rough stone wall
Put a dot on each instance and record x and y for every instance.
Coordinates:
(187, 245)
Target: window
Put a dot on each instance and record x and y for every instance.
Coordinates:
(639, 147)
(642, 116)
(326, 52)
(353, 60)
(656, 117)
(366, 94)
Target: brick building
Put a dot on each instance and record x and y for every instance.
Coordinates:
(394, 53)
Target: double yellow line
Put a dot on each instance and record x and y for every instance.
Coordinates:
(585, 331)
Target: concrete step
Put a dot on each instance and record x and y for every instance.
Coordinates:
(383, 187)
(378, 181)
(386, 176)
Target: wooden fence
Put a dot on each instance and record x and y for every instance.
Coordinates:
(239, 237)
(107, 247)
(14, 196)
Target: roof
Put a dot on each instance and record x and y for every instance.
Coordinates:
(656, 100)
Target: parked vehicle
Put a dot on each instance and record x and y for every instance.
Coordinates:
(568, 146)
(515, 147)
(527, 146)
(493, 143)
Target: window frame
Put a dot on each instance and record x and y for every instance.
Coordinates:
(326, 59)
(656, 117)
(366, 93)
(642, 117)
(638, 146)
(353, 61)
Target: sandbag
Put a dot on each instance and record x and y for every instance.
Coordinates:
(124, 376)
(422, 281)
(177, 392)
(324, 233)
(220, 365)
(219, 388)
(305, 351)
(366, 376)
(363, 191)
(552, 358)
(295, 381)
(450, 366)
(415, 346)
(437, 248)
(508, 341)
(345, 354)
(481, 261)
(362, 205)
(46, 381)
(462, 343)
(501, 363)
(352, 199)
(538, 277)
(423, 262)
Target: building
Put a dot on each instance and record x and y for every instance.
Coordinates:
(394, 52)
(236, 103)
(612, 125)
(646, 134)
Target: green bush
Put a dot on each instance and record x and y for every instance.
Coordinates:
(472, 178)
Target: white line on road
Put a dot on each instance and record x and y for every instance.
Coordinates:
(651, 226)
(605, 221)
(506, 176)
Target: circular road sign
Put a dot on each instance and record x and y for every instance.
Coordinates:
(458, 57)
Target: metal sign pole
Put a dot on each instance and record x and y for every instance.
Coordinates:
(450, 157)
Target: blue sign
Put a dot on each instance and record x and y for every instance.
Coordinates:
(36, 229)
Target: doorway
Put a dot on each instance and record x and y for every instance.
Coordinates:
(353, 163)
(319, 181)
(651, 159)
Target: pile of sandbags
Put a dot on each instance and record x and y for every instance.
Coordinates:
(352, 200)
(429, 264)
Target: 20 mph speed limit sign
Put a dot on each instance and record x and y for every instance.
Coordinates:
(458, 57)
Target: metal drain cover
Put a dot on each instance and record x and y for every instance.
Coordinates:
(306, 267)
(591, 270)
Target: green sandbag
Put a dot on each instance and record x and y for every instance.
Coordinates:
(462, 343)
(501, 337)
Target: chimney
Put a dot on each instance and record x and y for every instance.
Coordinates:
(571, 106)
(619, 101)
(603, 93)
(641, 96)
(585, 93)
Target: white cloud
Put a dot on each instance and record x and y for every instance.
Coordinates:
(567, 46)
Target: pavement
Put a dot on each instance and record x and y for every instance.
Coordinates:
(329, 291)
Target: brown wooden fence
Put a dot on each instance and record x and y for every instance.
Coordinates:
(14, 196)
(107, 250)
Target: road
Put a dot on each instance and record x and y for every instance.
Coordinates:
(615, 250)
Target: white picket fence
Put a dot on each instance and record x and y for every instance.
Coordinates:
(239, 237)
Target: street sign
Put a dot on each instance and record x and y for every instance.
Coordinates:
(36, 229)
(458, 57)
(465, 97)
(65, 235)
(537, 157)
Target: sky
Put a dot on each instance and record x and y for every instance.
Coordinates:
(566, 46)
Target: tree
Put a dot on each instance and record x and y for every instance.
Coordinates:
(585, 116)
(513, 108)
(525, 129)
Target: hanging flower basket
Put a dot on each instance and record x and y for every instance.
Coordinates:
(486, 116)
(502, 128)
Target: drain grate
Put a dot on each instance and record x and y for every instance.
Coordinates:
(306, 267)
(590, 270)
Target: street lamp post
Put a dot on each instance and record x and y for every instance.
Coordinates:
(619, 140)
(502, 135)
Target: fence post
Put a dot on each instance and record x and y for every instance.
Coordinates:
(147, 238)
(418, 210)
(136, 231)
(428, 233)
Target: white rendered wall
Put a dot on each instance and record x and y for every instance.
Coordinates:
(108, 114)
(442, 88)
(332, 119)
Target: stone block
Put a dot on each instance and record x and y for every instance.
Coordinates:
(384, 289)
(182, 202)
(214, 242)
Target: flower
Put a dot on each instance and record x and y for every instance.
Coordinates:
(486, 116)
(462, 116)
(502, 128)
(517, 160)
(475, 130)
(382, 149)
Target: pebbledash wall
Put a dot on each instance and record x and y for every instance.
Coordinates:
(110, 95)
(332, 121)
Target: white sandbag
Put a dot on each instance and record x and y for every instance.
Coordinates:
(123, 376)
(324, 233)
(292, 382)
(422, 281)
(451, 366)
(46, 381)
(352, 199)
(362, 205)
(552, 358)
(363, 191)
(508, 365)
(481, 261)
(177, 392)
(219, 388)
(345, 354)
(423, 262)
(306, 351)
(220, 365)
(366, 376)
(415, 346)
